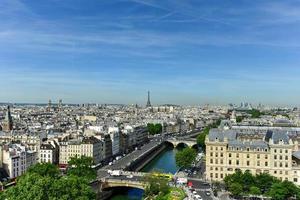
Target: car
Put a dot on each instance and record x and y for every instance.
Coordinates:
(197, 196)
(195, 172)
(194, 192)
(110, 163)
(129, 176)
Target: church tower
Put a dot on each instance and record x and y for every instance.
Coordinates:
(7, 123)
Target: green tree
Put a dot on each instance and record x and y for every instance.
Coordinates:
(43, 182)
(44, 169)
(82, 167)
(254, 190)
(264, 181)
(156, 185)
(154, 128)
(278, 191)
(186, 157)
(236, 189)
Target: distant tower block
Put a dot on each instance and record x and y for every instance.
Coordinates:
(49, 105)
(148, 102)
(7, 123)
(60, 105)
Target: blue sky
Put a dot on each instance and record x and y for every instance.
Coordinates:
(184, 52)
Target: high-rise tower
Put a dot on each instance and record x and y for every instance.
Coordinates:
(148, 102)
(60, 105)
(8, 123)
(49, 105)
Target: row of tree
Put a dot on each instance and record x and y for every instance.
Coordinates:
(44, 181)
(185, 157)
(154, 128)
(245, 184)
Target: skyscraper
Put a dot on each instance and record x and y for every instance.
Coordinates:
(148, 102)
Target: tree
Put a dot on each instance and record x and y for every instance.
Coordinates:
(156, 185)
(236, 189)
(278, 191)
(44, 169)
(82, 167)
(201, 140)
(43, 182)
(255, 190)
(186, 157)
(154, 129)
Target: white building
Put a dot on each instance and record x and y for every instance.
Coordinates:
(49, 152)
(14, 159)
(115, 139)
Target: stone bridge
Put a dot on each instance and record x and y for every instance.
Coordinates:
(189, 142)
(134, 183)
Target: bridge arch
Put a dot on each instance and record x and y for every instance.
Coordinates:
(111, 184)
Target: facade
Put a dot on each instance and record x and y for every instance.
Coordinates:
(115, 139)
(86, 146)
(272, 152)
(49, 153)
(16, 159)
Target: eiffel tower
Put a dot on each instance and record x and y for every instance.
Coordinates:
(148, 102)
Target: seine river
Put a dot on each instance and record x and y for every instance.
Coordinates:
(164, 162)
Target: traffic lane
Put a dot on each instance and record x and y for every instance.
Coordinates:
(204, 196)
(199, 184)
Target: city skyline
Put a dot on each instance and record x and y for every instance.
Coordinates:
(187, 53)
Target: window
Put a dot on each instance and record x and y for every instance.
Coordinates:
(237, 162)
(286, 157)
(248, 149)
(211, 161)
(275, 164)
(248, 155)
(258, 156)
(221, 155)
(275, 157)
(258, 163)
(211, 154)
(248, 163)
(280, 150)
(237, 155)
(286, 165)
(266, 164)
(286, 173)
(275, 172)
(280, 157)
(286, 151)
(275, 150)
(216, 161)
(229, 162)
(211, 175)
(216, 154)
(221, 148)
(216, 148)
(280, 164)
(295, 180)
(221, 176)
(266, 156)
(221, 161)
(229, 155)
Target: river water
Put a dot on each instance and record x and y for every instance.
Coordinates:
(163, 162)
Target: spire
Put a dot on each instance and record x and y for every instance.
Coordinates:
(148, 102)
(8, 122)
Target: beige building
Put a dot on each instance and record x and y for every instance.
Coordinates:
(86, 146)
(273, 152)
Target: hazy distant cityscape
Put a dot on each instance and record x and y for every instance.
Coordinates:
(149, 100)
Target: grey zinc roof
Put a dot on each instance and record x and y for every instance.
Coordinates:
(246, 144)
(296, 154)
(277, 135)
(221, 134)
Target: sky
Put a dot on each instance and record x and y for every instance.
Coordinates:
(187, 52)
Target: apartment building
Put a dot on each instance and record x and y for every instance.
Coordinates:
(274, 152)
(85, 146)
